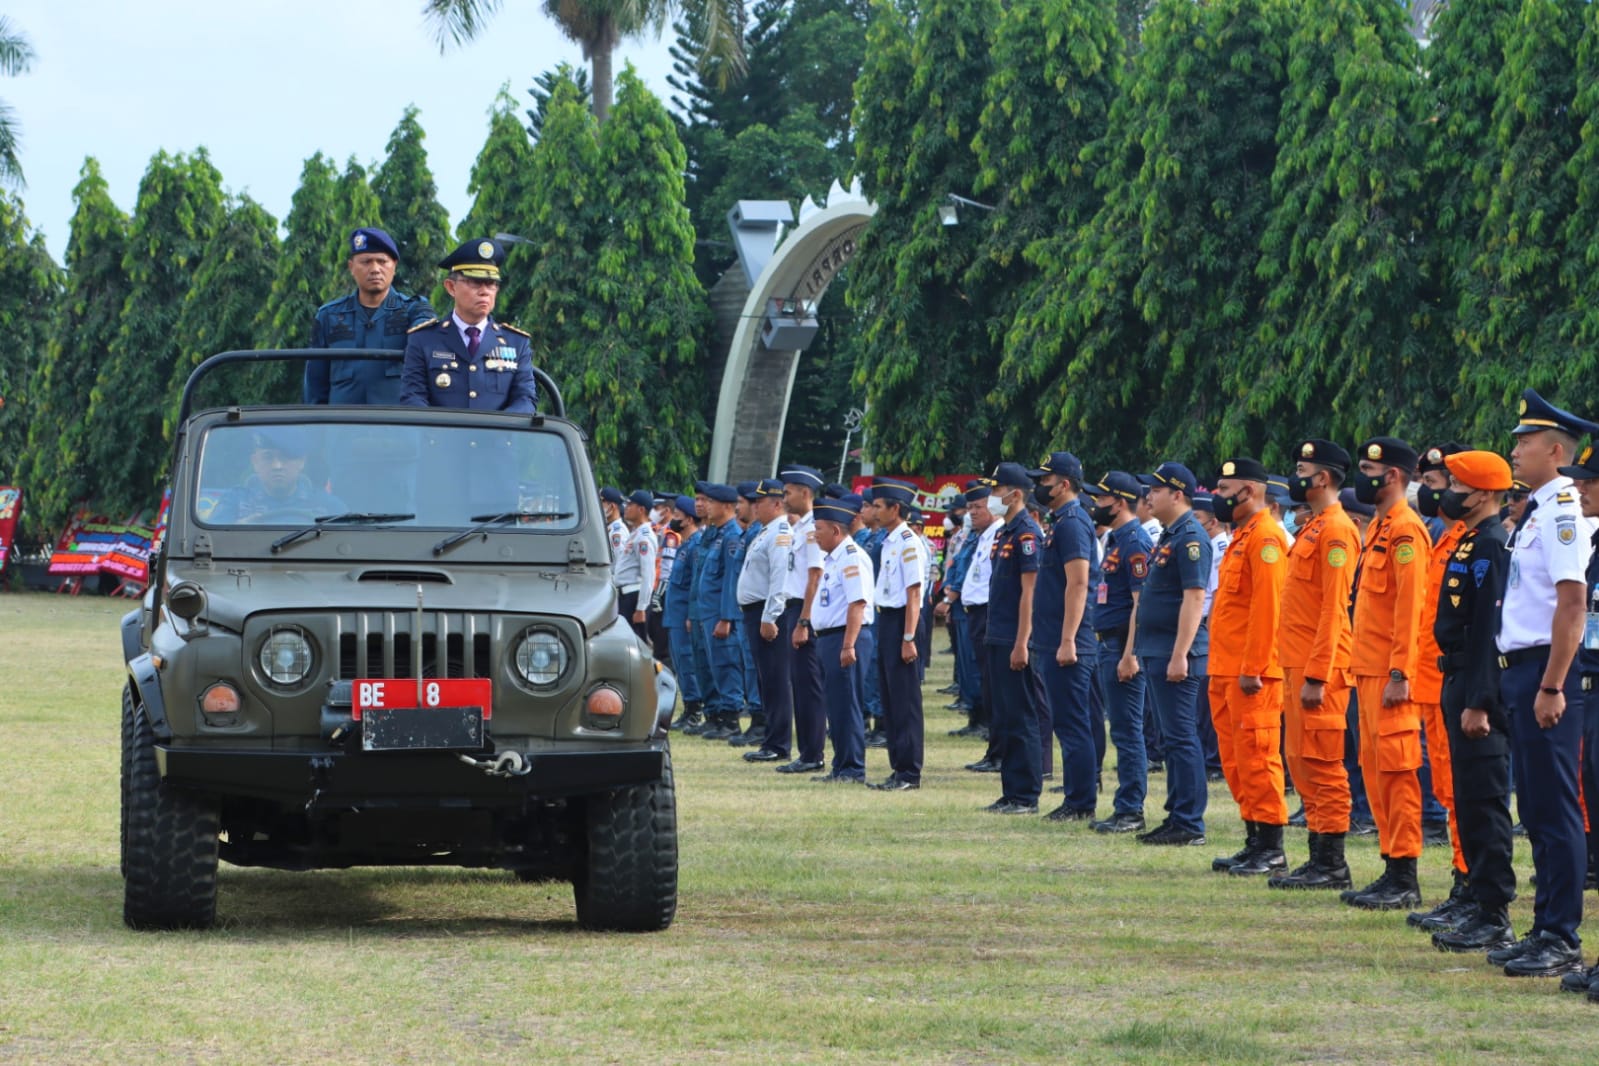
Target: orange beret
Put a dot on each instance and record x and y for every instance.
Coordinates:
(1485, 471)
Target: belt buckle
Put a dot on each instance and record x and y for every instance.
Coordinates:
(1504, 663)
(1587, 684)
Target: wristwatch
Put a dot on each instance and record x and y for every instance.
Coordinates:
(910, 639)
(1396, 675)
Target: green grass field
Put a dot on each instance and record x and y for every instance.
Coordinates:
(815, 924)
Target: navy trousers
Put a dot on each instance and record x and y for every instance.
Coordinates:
(1176, 707)
(901, 686)
(688, 678)
(809, 693)
(1546, 765)
(843, 701)
(1124, 706)
(773, 660)
(1072, 717)
(727, 667)
(1013, 730)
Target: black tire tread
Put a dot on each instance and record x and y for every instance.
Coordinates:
(628, 880)
(171, 842)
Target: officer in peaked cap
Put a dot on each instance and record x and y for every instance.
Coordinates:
(468, 359)
(762, 597)
(842, 613)
(800, 486)
(1540, 629)
(963, 618)
(375, 315)
(899, 598)
(634, 573)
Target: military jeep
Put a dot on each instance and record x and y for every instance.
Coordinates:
(388, 636)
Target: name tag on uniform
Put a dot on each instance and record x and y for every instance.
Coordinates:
(1590, 632)
(444, 356)
(1102, 594)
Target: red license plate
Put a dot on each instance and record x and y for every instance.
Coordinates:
(393, 693)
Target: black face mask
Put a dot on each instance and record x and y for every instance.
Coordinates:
(675, 525)
(1044, 496)
(1427, 499)
(1453, 504)
(1101, 516)
(1366, 488)
(1299, 489)
(1225, 506)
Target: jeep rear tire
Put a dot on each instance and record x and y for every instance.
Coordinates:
(170, 840)
(627, 881)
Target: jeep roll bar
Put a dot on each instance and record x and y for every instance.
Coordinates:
(550, 401)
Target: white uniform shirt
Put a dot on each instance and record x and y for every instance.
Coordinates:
(974, 590)
(1154, 529)
(616, 534)
(635, 570)
(1553, 545)
(1218, 548)
(846, 579)
(904, 564)
(804, 556)
(764, 577)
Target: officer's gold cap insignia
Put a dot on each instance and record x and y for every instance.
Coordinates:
(485, 250)
(1523, 409)
(1308, 451)
(1227, 469)
(1586, 452)
(442, 381)
(1374, 451)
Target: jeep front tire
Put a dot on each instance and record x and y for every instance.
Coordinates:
(627, 880)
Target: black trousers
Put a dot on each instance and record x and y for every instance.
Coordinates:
(900, 684)
(660, 640)
(626, 604)
(809, 701)
(1482, 799)
(773, 660)
(977, 633)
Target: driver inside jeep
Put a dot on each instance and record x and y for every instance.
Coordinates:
(277, 488)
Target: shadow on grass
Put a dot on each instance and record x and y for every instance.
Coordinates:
(1167, 1042)
(402, 903)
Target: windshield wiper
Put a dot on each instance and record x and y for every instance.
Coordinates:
(484, 521)
(348, 518)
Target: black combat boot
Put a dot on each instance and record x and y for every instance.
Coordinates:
(1286, 880)
(1487, 930)
(1222, 863)
(692, 720)
(1400, 891)
(754, 736)
(1452, 913)
(1267, 856)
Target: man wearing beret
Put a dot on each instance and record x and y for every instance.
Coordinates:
(1465, 622)
(1541, 624)
(470, 360)
(1313, 643)
(373, 316)
(1389, 586)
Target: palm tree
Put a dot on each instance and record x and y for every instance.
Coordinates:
(16, 56)
(599, 25)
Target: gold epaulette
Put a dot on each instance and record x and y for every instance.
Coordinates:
(423, 325)
(513, 329)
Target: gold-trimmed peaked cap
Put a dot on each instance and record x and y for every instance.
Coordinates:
(1538, 414)
(480, 257)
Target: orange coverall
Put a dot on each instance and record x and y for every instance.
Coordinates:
(1389, 590)
(1427, 688)
(1243, 643)
(1314, 640)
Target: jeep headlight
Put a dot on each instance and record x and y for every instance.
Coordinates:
(286, 656)
(541, 657)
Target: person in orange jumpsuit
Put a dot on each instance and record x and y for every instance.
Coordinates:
(1245, 675)
(1390, 585)
(1313, 642)
(1427, 692)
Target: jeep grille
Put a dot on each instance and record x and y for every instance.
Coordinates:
(379, 644)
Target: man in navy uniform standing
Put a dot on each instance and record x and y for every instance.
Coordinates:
(1013, 679)
(800, 485)
(373, 316)
(469, 360)
(1540, 629)
(716, 608)
(900, 581)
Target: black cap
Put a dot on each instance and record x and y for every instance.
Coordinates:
(1389, 451)
(1174, 476)
(1117, 483)
(1064, 464)
(1012, 476)
(1433, 457)
(480, 257)
(1586, 467)
(1244, 469)
(1323, 453)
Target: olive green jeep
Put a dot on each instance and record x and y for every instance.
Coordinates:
(388, 636)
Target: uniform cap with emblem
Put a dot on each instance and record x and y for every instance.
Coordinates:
(768, 487)
(480, 257)
(1012, 476)
(715, 490)
(1485, 471)
(1062, 464)
(1244, 469)
(1433, 458)
(1389, 451)
(643, 497)
(1586, 469)
(1117, 483)
(1538, 414)
(1323, 453)
(612, 495)
(978, 489)
(746, 490)
(1175, 476)
(370, 239)
(841, 511)
(808, 476)
(893, 490)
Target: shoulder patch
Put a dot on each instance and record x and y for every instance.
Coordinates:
(1270, 553)
(423, 325)
(1029, 543)
(1140, 565)
(1337, 558)
(1404, 553)
(514, 329)
(1193, 552)
(851, 548)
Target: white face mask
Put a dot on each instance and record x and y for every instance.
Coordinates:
(996, 507)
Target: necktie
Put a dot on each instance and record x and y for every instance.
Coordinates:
(1532, 505)
(472, 334)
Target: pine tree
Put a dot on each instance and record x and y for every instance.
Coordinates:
(179, 210)
(545, 85)
(1337, 349)
(54, 470)
(639, 388)
(408, 200)
(503, 191)
(1516, 312)
(219, 312)
(924, 355)
(302, 281)
(31, 285)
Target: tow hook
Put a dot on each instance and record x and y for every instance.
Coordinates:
(505, 764)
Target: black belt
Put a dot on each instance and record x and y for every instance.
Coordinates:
(1119, 633)
(1538, 652)
(1455, 660)
(829, 631)
(890, 610)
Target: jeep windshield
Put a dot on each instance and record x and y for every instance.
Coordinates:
(364, 475)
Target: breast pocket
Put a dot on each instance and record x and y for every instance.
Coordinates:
(1304, 565)
(1374, 573)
